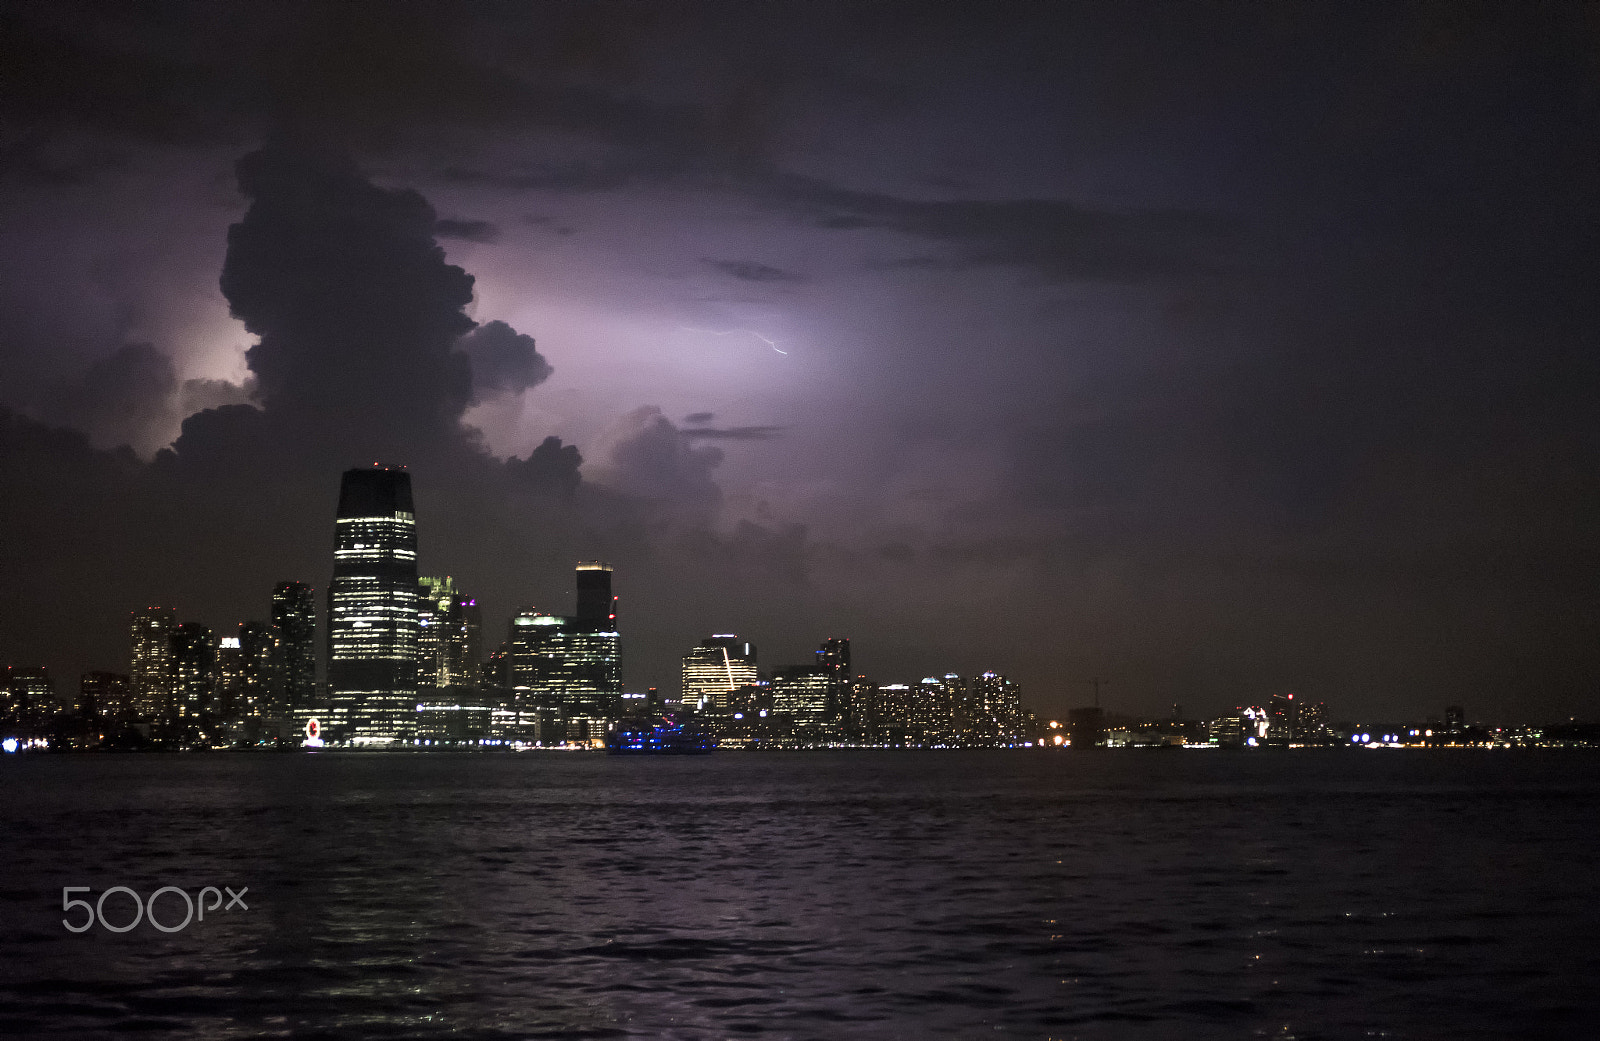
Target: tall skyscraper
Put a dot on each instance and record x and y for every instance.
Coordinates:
(597, 608)
(194, 674)
(150, 640)
(263, 690)
(568, 669)
(715, 669)
(230, 679)
(372, 609)
(294, 614)
(833, 657)
(449, 639)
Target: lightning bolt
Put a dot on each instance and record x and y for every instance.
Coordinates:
(730, 332)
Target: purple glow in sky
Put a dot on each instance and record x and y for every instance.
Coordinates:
(1227, 351)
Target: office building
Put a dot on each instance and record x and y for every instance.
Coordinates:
(563, 677)
(106, 696)
(263, 694)
(833, 658)
(230, 679)
(714, 670)
(194, 678)
(566, 671)
(449, 639)
(28, 698)
(294, 615)
(597, 608)
(150, 654)
(372, 611)
(1282, 720)
(801, 694)
(933, 709)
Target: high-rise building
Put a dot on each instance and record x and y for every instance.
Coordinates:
(1282, 720)
(933, 709)
(264, 689)
(597, 608)
(891, 708)
(713, 670)
(372, 610)
(566, 671)
(294, 615)
(833, 657)
(194, 675)
(449, 639)
(800, 692)
(27, 697)
(564, 675)
(105, 695)
(995, 714)
(150, 640)
(230, 679)
(1311, 723)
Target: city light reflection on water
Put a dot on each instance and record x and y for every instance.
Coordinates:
(837, 894)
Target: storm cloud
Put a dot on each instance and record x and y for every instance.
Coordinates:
(1225, 350)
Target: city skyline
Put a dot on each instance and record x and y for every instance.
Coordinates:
(1225, 353)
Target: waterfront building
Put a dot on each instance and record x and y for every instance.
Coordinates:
(712, 671)
(892, 711)
(263, 698)
(597, 607)
(372, 610)
(294, 615)
(229, 680)
(28, 698)
(1255, 725)
(933, 705)
(833, 657)
(1311, 725)
(566, 671)
(800, 693)
(105, 695)
(150, 654)
(194, 678)
(1282, 720)
(449, 638)
(993, 711)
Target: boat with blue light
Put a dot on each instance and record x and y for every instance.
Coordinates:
(667, 734)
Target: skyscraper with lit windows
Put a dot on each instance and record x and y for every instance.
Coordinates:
(294, 615)
(718, 667)
(566, 670)
(372, 610)
(150, 653)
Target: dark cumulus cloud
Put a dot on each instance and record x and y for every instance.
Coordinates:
(1275, 357)
(366, 355)
(134, 397)
(751, 271)
(357, 311)
(504, 361)
(550, 467)
(655, 460)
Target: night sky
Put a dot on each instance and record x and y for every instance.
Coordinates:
(1217, 350)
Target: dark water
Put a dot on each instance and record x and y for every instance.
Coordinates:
(811, 895)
